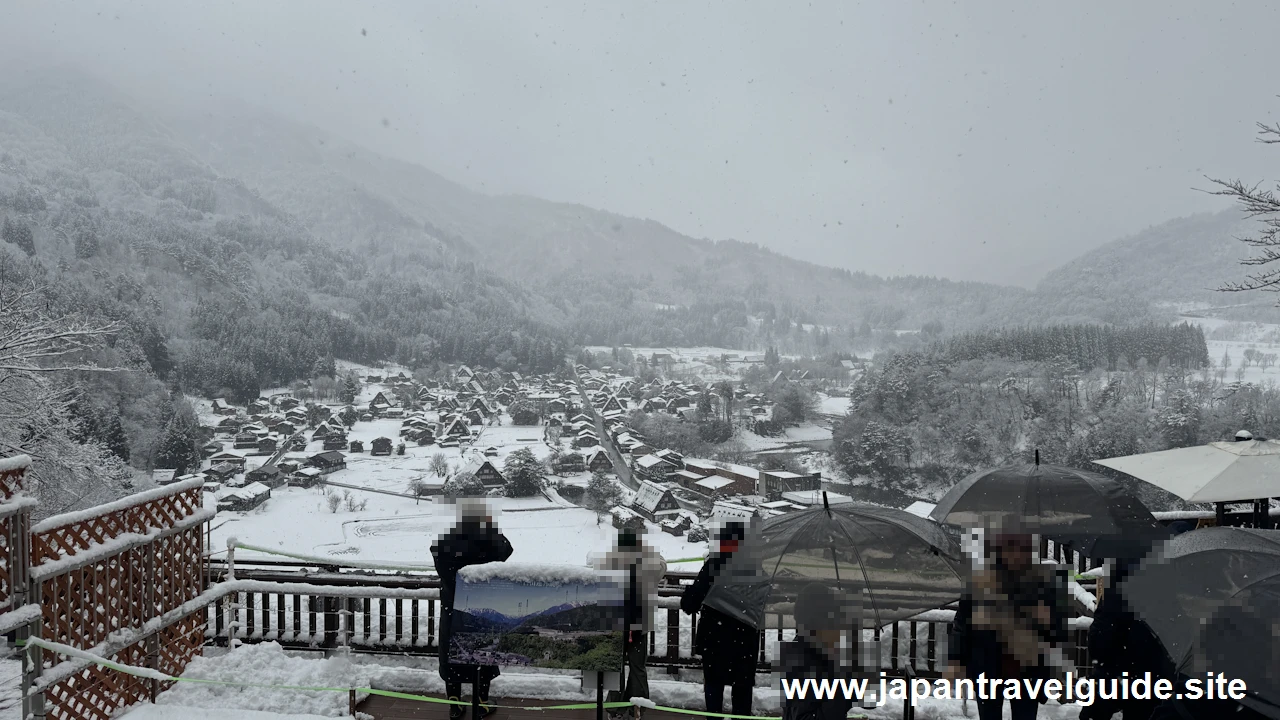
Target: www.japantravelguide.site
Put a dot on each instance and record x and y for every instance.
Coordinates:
(1079, 690)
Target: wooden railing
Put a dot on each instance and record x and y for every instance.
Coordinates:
(383, 613)
(100, 578)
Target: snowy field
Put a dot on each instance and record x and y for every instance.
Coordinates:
(268, 665)
(698, 361)
(1232, 339)
(401, 530)
(836, 406)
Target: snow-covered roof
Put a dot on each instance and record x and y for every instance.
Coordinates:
(920, 508)
(649, 461)
(248, 492)
(689, 475)
(723, 510)
(649, 495)
(814, 497)
(714, 483)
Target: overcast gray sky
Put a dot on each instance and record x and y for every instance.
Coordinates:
(971, 140)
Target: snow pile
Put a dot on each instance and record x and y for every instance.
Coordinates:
(268, 664)
(529, 573)
(170, 712)
(17, 462)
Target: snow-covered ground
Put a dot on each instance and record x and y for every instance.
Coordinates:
(401, 530)
(268, 665)
(1232, 339)
(828, 405)
(802, 434)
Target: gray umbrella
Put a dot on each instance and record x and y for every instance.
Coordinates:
(1092, 513)
(886, 564)
(1212, 596)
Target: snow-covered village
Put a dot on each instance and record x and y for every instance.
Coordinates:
(765, 361)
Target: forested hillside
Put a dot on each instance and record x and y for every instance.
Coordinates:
(919, 421)
(1182, 261)
(605, 277)
(207, 288)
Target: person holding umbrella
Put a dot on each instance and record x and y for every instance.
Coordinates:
(474, 540)
(1010, 620)
(1120, 642)
(726, 645)
(1212, 598)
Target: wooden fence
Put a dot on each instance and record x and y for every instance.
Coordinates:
(99, 581)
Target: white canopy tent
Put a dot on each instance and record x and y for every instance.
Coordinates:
(1217, 472)
(1220, 472)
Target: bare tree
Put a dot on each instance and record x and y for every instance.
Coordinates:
(1264, 206)
(439, 464)
(38, 346)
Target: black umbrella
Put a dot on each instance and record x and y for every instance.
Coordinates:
(1213, 598)
(886, 564)
(1092, 513)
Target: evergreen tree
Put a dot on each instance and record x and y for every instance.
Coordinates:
(463, 485)
(704, 404)
(19, 233)
(177, 448)
(602, 495)
(115, 439)
(525, 476)
(350, 389)
(86, 244)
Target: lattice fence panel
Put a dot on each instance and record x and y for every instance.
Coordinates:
(83, 606)
(11, 482)
(97, 693)
(8, 527)
(86, 534)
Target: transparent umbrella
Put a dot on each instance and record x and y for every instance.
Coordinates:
(884, 563)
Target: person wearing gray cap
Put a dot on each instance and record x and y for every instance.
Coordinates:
(820, 616)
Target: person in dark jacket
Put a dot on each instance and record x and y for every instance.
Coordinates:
(1010, 622)
(1120, 642)
(727, 646)
(814, 652)
(474, 540)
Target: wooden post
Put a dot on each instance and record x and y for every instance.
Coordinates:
(149, 610)
(351, 701)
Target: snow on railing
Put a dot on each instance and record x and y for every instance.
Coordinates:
(17, 462)
(76, 516)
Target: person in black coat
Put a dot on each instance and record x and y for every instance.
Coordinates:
(728, 647)
(1010, 618)
(1120, 642)
(812, 654)
(473, 541)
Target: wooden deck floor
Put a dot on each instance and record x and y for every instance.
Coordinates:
(384, 708)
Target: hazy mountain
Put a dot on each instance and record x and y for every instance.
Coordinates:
(267, 207)
(1180, 262)
(352, 196)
